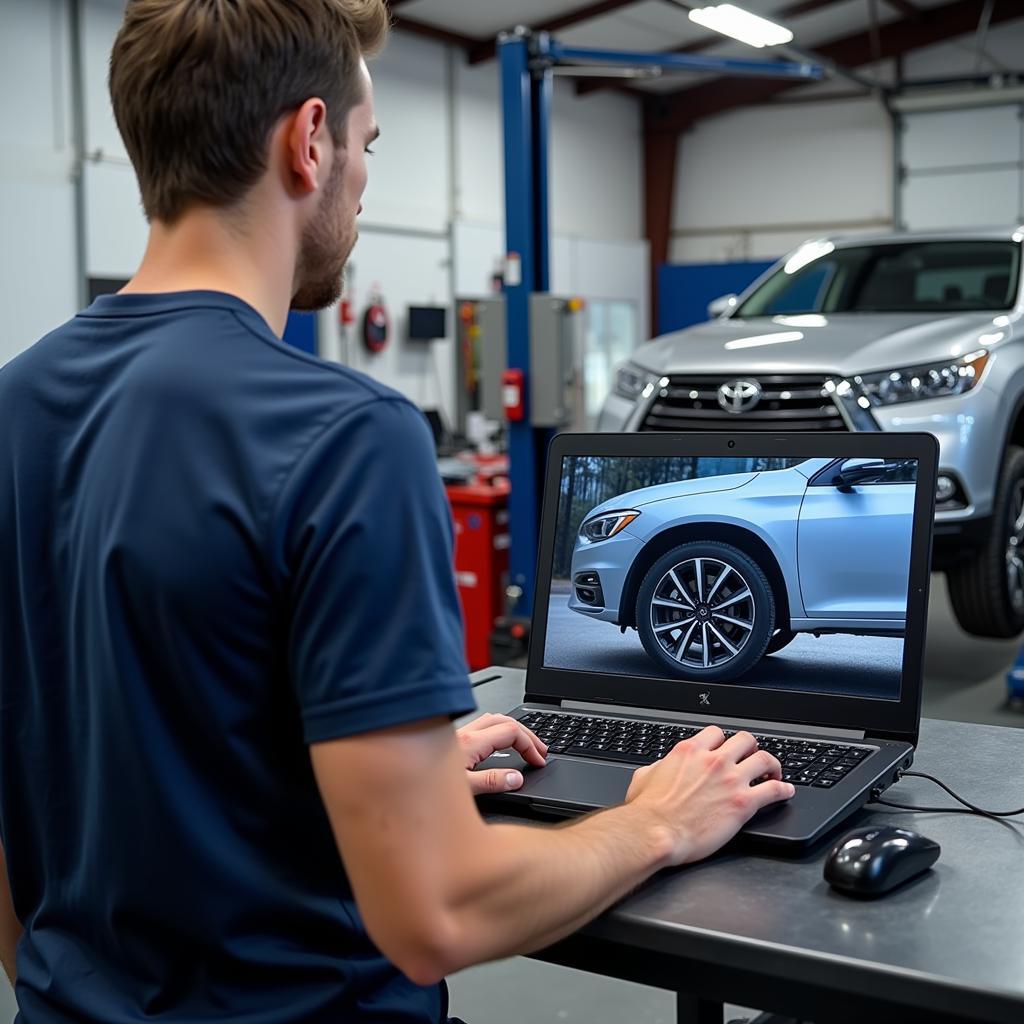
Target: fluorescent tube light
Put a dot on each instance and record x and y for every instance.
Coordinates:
(748, 28)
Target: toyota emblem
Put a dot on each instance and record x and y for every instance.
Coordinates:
(738, 396)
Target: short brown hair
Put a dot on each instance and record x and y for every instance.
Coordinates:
(198, 85)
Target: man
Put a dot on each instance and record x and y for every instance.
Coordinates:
(230, 647)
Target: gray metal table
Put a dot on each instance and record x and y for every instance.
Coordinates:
(765, 930)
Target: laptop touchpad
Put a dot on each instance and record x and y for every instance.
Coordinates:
(586, 783)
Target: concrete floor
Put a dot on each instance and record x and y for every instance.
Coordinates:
(964, 681)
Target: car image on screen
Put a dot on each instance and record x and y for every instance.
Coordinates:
(718, 572)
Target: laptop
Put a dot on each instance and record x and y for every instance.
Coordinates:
(776, 583)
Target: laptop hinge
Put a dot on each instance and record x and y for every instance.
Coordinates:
(540, 698)
(742, 723)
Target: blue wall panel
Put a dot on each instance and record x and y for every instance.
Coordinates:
(685, 289)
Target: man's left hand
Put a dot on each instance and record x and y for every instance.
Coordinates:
(488, 733)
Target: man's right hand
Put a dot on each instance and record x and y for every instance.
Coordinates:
(701, 792)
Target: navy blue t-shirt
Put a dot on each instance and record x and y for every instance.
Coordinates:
(214, 551)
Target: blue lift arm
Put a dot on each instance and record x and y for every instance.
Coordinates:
(526, 62)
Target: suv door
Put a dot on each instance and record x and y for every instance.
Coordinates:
(853, 541)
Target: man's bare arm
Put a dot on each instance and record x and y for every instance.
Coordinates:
(10, 926)
(440, 889)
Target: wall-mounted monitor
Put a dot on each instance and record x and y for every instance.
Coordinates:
(427, 323)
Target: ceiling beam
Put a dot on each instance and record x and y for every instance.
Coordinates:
(905, 7)
(677, 111)
(660, 158)
(428, 31)
(487, 49)
(794, 10)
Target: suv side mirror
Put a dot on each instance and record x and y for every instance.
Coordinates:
(722, 305)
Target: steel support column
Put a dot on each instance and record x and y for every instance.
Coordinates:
(660, 152)
(526, 99)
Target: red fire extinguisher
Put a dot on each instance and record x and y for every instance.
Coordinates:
(346, 308)
(376, 325)
(512, 394)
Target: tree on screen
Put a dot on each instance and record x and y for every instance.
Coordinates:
(590, 480)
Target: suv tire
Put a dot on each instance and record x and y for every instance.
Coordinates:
(732, 606)
(987, 591)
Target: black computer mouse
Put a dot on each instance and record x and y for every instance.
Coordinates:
(874, 860)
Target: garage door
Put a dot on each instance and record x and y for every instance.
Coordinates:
(963, 168)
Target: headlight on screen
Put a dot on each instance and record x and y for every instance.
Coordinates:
(934, 380)
(607, 525)
(631, 381)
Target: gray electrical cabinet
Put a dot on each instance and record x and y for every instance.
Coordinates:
(492, 351)
(556, 354)
(480, 357)
(556, 360)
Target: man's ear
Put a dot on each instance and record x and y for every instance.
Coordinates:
(307, 141)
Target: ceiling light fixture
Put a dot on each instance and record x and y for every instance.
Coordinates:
(739, 24)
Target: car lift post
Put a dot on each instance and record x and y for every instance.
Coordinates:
(526, 63)
(526, 100)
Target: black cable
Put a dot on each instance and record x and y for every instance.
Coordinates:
(968, 807)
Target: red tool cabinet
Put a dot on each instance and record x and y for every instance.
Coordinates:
(480, 511)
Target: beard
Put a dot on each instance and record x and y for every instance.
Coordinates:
(326, 244)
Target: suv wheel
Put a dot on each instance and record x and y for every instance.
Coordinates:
(987, 592)
(705, 611)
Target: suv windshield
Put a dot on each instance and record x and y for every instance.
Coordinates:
(901, 277)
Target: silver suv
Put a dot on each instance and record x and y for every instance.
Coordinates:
(899, 332)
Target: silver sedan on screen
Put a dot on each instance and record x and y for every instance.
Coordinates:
(716, 572)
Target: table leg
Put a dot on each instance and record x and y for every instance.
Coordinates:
(693, 1010)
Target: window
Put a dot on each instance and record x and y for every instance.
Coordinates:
(898, 277)
(791, 294)
(610, 336)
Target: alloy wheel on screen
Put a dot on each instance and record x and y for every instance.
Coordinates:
(703, 612)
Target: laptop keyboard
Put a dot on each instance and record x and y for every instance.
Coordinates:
(804, 762)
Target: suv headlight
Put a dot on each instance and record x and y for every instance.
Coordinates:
(607, 525)
(632, 382)
(933, 380)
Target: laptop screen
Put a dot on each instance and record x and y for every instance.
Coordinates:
(769, 573)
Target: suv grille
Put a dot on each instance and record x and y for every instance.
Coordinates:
(787, 402)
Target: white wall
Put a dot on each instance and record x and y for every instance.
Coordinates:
(755, 182)
(596, 173)
(979, 178)
(115, 228)
(980, 181)
(37, 256)
(423, 372)
(597, 246)
(435, 182)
